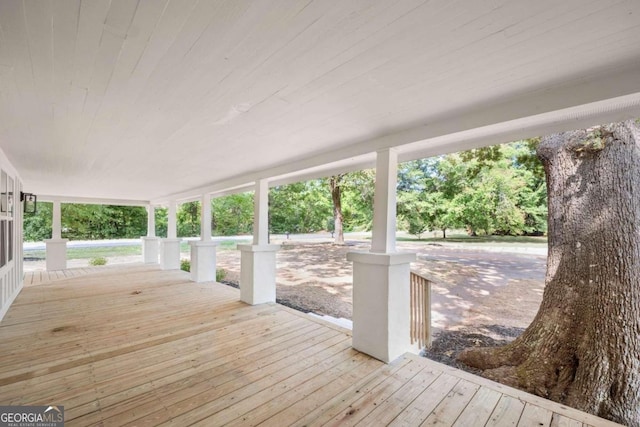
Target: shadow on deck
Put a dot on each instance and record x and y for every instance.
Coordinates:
(137, 345)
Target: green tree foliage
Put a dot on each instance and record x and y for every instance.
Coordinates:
(162, 218)
(91, 222)
(426, 190)
(493, 190)
(37, 227)
(188, 219)
(232, 215)
(506, 190)
(357, 195)
(301, 207)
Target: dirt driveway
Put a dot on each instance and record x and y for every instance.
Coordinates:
(475, 289)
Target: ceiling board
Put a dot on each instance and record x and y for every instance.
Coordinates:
(151, 99)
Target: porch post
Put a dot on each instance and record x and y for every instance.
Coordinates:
(381, 322)
(203, 252)
(170, 247)
(56, 247)
(258, 261)
(150, 243)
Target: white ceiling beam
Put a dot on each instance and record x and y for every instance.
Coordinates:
(602, 99)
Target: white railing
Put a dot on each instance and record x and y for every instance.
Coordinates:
(420, 309)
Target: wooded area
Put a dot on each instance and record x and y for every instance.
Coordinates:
(494, 190)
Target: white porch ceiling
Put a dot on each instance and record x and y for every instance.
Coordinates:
(151, 99)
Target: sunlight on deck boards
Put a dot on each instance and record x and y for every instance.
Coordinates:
(140, 346)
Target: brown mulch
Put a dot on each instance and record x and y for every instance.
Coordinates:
(448, 344)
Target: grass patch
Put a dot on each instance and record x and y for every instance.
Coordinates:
(98, 261)
(92, 252)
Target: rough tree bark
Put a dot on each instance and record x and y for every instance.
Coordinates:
(583, 347)
(336, 197)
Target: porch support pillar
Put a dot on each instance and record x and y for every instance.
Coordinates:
(203, 252)
(150, 243)
(258, 260)
(170, 247)
(381, 304)
(56, 247)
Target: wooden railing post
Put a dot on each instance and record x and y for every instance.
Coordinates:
(420, 310)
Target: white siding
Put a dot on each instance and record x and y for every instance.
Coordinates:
(11, 237)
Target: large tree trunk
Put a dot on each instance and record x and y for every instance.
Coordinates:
(583, 347)
(336, 197)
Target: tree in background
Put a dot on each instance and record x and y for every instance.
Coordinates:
(493, 190)
(188, 219)
(357, 200)
(90, 222)
(335, 186)
(426, 190)
(37, 227)
(232, 215)
(299, 208)
(162, 217)
(505, 191)
(582, 347)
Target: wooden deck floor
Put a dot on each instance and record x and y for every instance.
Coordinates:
(39, 277)
(140, 346)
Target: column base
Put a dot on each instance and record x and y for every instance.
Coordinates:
(150, 249)
(258, 273)
(170, 254)
(381, 304)
(56, 254)
(203, 261)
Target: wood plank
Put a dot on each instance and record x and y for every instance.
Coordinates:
(324, 394)
(533, 415)
(335, 405)
(158, 361)
(479, 410)
(388, 410)
(449, 409)
(422, 406)
(562, 421)
(189, 383)
(238, 410)
(507, 412)
(307, 397)
(66, 15)
(219, 397)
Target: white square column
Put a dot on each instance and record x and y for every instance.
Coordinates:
(150, 243)
(203, 252)
(381, 292)
(56, 254)
(170, 247)
(203, 261)
(170, 254)
(150, 249)
(258, 261)
(258, 273)
(56, 247)
(381, 304)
